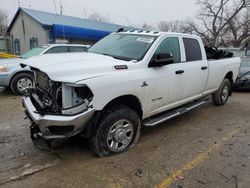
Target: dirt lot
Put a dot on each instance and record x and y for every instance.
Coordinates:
(208, 147)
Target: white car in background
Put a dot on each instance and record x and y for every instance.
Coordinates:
(19, 79)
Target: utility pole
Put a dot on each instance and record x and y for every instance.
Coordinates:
(85, 13)
(246, 45)
(61, 10)
(128, 21)
(108, 17)
(19, 4)
(61, 7)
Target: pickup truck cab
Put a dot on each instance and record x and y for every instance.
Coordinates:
(19, 79)
(125, 80)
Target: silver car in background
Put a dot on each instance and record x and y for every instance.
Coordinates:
(19, 79)
(243, 80)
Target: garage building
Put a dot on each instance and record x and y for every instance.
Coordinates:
(31, 28)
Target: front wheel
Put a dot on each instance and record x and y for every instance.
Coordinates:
(117, 130)
(221, 96)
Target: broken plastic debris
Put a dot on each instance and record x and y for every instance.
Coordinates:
(139, 172)
(180, 177)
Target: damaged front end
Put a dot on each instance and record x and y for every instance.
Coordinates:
(57, 110)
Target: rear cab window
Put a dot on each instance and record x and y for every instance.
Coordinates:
(192, 49)
(58, 49)
(77, 49)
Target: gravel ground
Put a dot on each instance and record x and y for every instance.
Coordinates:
(207, 147)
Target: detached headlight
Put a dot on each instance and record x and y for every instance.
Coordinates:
(4, 68)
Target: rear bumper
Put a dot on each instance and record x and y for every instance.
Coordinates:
(48, 123)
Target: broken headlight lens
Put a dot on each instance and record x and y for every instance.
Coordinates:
(75, 98)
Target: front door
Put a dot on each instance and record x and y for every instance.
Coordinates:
(165, 82)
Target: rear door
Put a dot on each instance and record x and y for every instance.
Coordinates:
(195, 69)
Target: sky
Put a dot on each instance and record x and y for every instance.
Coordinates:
(125, 12)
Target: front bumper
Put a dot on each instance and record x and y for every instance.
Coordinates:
(2, 88)
(5, 79)
(50, 125)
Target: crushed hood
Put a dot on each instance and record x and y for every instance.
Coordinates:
(74, 67)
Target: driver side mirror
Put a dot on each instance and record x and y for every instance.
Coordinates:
(161, 60)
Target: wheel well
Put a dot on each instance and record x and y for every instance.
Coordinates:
(28, 72)
(130, 101)
(229, 76)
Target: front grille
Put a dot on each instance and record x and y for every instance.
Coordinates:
(60, 130)
(47, 95)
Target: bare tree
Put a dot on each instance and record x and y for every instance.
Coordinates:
(238, 29)
(171, 26)
(214, 19)
(175, 26)
(3, 22)
(97, 17)
(148, 27)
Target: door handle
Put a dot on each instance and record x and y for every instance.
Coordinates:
(204, 68)
(179, 72)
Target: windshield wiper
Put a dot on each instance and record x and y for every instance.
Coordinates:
(116, 57)
(122, 58)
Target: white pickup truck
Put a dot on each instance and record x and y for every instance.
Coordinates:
(126, 80)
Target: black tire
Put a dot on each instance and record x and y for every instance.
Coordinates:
(98, 140)
(14, 82)
(221, 96)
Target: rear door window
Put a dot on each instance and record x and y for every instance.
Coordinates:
(192, 49)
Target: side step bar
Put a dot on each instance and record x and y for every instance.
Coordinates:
(165, 116)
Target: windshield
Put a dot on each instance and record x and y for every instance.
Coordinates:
(123, 46)
(32, 52)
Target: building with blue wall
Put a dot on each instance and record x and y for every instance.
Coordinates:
(31, 28)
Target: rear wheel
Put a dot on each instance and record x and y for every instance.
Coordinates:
(21, 82)
(117, 130)
(221, 96)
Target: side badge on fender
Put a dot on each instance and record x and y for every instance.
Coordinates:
(121, 67)
(144, 84)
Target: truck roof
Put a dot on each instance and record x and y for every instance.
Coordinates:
(156, 33)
